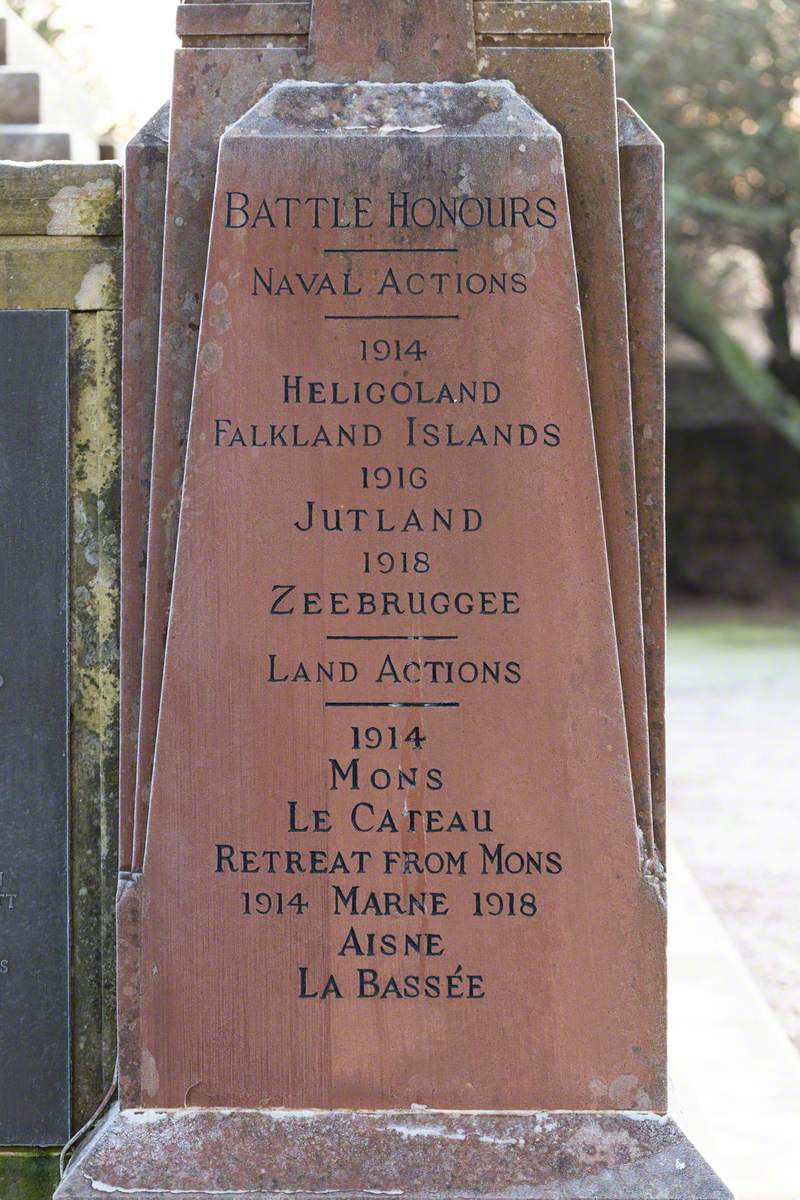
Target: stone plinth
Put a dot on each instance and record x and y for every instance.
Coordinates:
(428, 1155)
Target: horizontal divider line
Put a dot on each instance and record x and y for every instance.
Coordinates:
(392, 704)
(392, 250)
(392, 637)
(396, 317)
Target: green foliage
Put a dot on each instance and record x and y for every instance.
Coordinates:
(761, 388)
(41, 15)
(719, 81)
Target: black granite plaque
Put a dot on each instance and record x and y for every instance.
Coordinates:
(34, 730)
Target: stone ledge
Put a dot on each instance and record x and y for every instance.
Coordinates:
(60, 199)
(260, 1154)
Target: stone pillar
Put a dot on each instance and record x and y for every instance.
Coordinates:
(60, 254)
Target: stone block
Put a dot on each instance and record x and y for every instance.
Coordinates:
(28, 1176)
(64, 103)
(243, 1000)
(19, 97)
(94, 671)
(33, 143)
(81, 274)
(61, 199)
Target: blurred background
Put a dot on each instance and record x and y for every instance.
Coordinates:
(719, 81)
(120, 54)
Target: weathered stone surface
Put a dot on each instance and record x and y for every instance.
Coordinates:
(33, 143)
(212, 90)
(642, 182)
(417, 1156)
(80, 274)
(28, 1176)
(577, 19)
(129, 963)
(19, 96)
(418, 40)
(557, 17)
(254, 18)
(247, 41)
(94, 685)
(575, 89)
(146, 176)
(83, 274)
(61, 199)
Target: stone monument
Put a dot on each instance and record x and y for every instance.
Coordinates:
(392, 919)
(60, 333)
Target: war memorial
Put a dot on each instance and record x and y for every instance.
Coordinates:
(392, 895)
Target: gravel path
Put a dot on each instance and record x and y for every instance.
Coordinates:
(733, 699)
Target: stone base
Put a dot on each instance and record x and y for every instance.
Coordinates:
(419, 1155)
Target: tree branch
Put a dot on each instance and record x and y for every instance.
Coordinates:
(681, 201)
(776, 252)
(696, 314)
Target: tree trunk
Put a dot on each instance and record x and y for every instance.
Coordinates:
(693, 312)
(775, 252)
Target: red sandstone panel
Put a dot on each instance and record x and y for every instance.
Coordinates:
(499, 677)
(556, 17)
(575, 90)
(212, 89)
(642, 178)
(209, 19)
(416, 40)
(145, 189)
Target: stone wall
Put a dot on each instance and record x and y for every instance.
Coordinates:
(61, 248)
(733, 497)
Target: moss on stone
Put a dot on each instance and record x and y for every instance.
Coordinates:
(60, 199)
(90, 207)
(28, 1175)
(81, 274)
(94, 675)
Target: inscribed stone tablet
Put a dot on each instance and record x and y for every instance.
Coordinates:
(392, 811)
(573, 88)
(34, 714)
